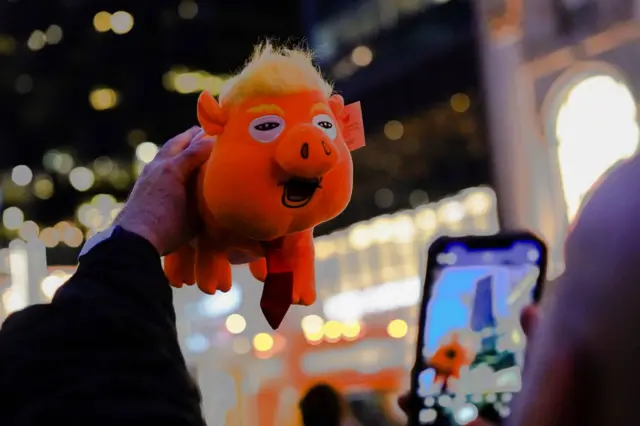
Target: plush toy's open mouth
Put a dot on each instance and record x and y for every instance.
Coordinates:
(298, 192)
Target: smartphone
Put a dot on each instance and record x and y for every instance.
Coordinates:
(471, 345)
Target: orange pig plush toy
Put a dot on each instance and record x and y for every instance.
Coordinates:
(280, 165)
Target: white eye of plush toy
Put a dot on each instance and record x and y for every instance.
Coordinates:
(325, 123)
(266, 128)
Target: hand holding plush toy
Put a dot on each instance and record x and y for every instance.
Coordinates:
(281, 165)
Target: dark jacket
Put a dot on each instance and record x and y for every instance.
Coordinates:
(104, 352)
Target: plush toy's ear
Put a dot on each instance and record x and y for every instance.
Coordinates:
(336, 102)
(210, 115)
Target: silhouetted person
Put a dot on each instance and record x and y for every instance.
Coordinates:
(323, 405)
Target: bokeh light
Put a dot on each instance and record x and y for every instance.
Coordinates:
(362, 56)
(333, 330)
(460, 102)
(397, 328)
(146, 152)
(102, 22)
(235, 323)
(103, 99)
(22, 175)
(263, 342)
(394, 130)
(37, 40)
(351, 329)
(81, 178)
(29, 230)
(43, 187)
(188, 9)
(12, 218)
(53, 34)
(121, 22)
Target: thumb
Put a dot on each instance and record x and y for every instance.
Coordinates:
(196, 154)
(529, 319)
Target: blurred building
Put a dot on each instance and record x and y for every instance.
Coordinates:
(413, 65)
(562, 87)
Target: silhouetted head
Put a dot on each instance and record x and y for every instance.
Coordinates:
(583, 367)
(322, 406)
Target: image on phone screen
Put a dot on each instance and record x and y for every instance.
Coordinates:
(472, 347)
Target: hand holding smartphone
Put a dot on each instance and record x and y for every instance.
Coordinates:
(471, 345)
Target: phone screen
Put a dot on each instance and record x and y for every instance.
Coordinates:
(471, 344)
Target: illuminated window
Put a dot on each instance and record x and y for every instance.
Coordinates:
(596, 126)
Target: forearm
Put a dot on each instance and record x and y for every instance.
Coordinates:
(123, 275)
(106, 348)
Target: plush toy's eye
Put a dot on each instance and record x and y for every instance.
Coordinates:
(325, 123)
(266, 128)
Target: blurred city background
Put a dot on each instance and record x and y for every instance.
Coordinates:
(479, 116)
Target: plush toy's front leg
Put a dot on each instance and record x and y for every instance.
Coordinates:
(259, 269)
(213, 270)
(178, 266)
(301, 252)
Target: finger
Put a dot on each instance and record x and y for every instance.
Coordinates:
(178, 143)
(403, 403)
(196, 154)
(529, 319)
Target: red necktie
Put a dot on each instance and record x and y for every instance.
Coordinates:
(278, 286)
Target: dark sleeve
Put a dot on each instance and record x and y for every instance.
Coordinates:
(104, 352)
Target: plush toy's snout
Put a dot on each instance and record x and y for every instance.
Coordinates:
(307, 152)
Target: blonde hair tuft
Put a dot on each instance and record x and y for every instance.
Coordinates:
(275, 71)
